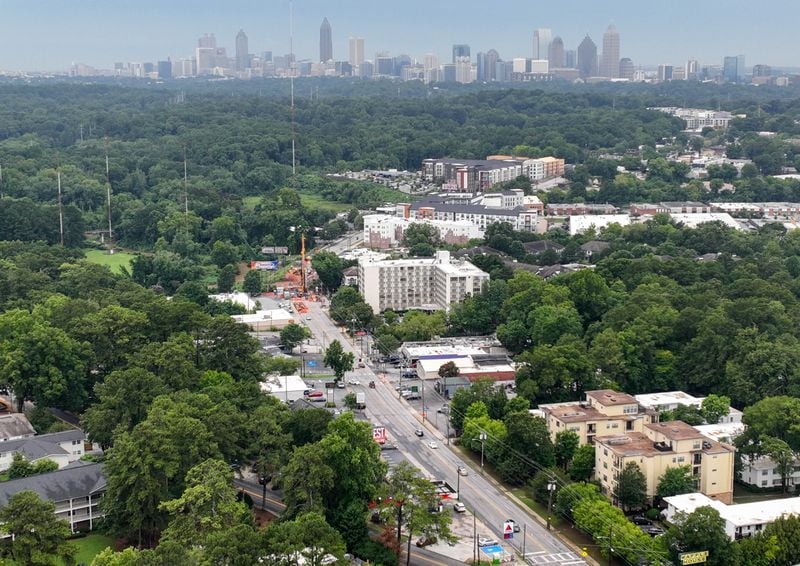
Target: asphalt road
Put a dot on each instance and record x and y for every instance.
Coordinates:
(482, 496)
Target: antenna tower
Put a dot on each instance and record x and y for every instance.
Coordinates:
(60, 207)
(108, 196)
(185, 193)
(292, 67)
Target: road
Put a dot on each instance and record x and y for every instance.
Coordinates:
(482, 496)
(345, 243)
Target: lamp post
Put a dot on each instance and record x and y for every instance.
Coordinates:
(482, 438)
(458, 483)
(551, 487)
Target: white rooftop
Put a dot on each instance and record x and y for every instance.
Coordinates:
(583, 222)
(692, 220)
(415, 352)
(652, 400)
(262, 316)
(722, 432)
(239, 298)
(280, 384)
(757, 513)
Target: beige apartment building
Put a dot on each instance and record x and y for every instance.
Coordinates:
(604, 413)
(661, 446)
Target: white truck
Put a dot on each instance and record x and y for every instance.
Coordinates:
(361, 400)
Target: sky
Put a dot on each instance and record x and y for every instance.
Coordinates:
(50, 35)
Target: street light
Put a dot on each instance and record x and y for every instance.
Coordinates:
(482, 438)
(551, 487)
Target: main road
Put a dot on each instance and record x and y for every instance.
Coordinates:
(482, 496)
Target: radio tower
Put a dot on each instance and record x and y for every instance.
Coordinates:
(292, 68)
(108, 198)
(60, 207)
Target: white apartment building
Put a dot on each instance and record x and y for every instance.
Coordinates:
(419, 283)
(671, 400)
(382, 231)
(697, 119)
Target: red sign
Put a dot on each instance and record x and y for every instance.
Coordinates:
(379, 434)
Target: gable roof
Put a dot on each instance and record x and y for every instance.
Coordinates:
(79, 480)
(595, 246)
(542, 245)
(42, 446)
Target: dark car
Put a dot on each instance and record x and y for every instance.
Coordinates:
(652, 530)
(641, 520)
(425, 540)
(419, 432)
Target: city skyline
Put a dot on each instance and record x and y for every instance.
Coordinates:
(50, 36)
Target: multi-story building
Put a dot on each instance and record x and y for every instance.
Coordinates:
(242, 52)
(420, 283)
(604, 413)
(556, 55)
(661, 446)
(520, 218)
(325, 41)
(685, 207)
(542, 38)
(579, 208)
(671, 400)
(356, 51)
(587, 58)
(609, 61)
(384, 231)
(63, 448)
(697, 119)
(476, 175)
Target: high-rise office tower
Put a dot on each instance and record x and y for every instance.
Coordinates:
(541, 43)
(492, 58)
(692, 70)
(242, 56)
(587, 58)
(325, 42)
(463, 70)
(609, 61)
(626, 68)
(570, 59)
(356, 51)
(556, 55)
(460, 50)
(207, 41)
(165, 69)
(665, 72)
(733, 68)
(480, 66)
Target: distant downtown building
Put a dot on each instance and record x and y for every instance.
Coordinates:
(556, 55)
(541, 43)
(242, 56)
(325, 42)
(419, 283)
(587, 58)
(609, 63)
(356, 51)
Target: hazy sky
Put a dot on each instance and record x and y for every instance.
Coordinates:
(51, 34)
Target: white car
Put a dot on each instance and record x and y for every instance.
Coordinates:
(353, 382)
(432, 444)
(460, 508)
(486, 541)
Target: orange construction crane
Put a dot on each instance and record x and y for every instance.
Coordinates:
(303, 263)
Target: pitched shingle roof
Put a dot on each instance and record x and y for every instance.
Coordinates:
(79, 480)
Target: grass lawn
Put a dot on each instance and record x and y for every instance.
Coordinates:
(315, 201)
(89, 547)
(741, 494)
(116, 261)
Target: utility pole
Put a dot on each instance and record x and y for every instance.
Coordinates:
(60, 208)
(483, 439)
(551, 487)
(108, 193)
(524, 536)
(474, 538)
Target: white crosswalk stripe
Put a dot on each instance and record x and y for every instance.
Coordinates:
(560, 558)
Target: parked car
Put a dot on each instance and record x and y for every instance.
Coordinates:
(315, 394)
(340, 384)
(432, 444)
(352, 381)
(486, 541)
(460, 508)
(425, 540)
(652, 530)
(419, 432)
(444, 409)
(641, 520)
(462, 471)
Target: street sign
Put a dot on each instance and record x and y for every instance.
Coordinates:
(312, 363)
(508, 530)
(693, 557)
(265, 265)
(330, 384)
(379, 434)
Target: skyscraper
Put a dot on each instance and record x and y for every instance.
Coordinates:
(570, 59)
(692, 70)
(733, 68)
(492, 58)
(207, 41)
(626, 68)
(325, 42)
(460, 50)
(556, 55)
(609, 62)
(242, 56)
(541, 43)
(356, 51)
(587, 58)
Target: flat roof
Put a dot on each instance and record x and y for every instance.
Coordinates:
(756, 513)
(675, 430)
(610, 398)
(280, 384)
(265, 315)
(721, 430)
(668, 398)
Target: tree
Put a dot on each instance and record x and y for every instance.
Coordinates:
(703, 529)
(329, 268)
(386, 343)
(565, 446)
(292, 335)
(676, 480)
(20, 467)
(307, 425)
(307, 480)
(347, 304)
(338, 360)
(122, 402)
(38, 537)
(582, 466)
(782, 454)
(208, 505)
(225, 345)
(226, 279)
(714, 407)
(631, 490)
(786, 533)
(308, 538)
(253, 283)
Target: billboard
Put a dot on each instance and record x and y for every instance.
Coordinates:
(379, 434)
(265, 265)
(281, 250)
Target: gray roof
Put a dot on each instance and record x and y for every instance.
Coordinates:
(478, 163)
(477, 250)
(68, 483)
(541, 246)
(42, 446)
(468, 208)
(15, 424)
(595, 246)
(682, 204)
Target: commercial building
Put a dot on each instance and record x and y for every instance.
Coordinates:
(741, 520)
(382, 231)
(587, 58)
(581, 223)
(671, 400)
(325, 41)
(662, 446)
(697, 119)
(609, 61)
(286, 388)
(420, 283)
(266, 320)
(356, 51)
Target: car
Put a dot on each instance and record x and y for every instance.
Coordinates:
(652, 530)
(425, 540)
(486, 541)
(444, 409)
(432, 444)
(362, 365)
(308, 317)
(264, 480)
(462, 471)
(313, 393)
(514, 525)
(353, 382)
(340, 384)
(641, 520)
(460, 508)
(419, 432)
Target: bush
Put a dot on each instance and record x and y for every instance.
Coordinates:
(654, 514)
(375, 553)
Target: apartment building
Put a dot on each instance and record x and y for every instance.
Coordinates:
(661, 446)
(604, 413)
(696, 119)
(522, 219)
(418, 283)
(478, 175)
(382, 231)
(671, 400)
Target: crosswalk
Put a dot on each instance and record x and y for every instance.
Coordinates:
(559, 558)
